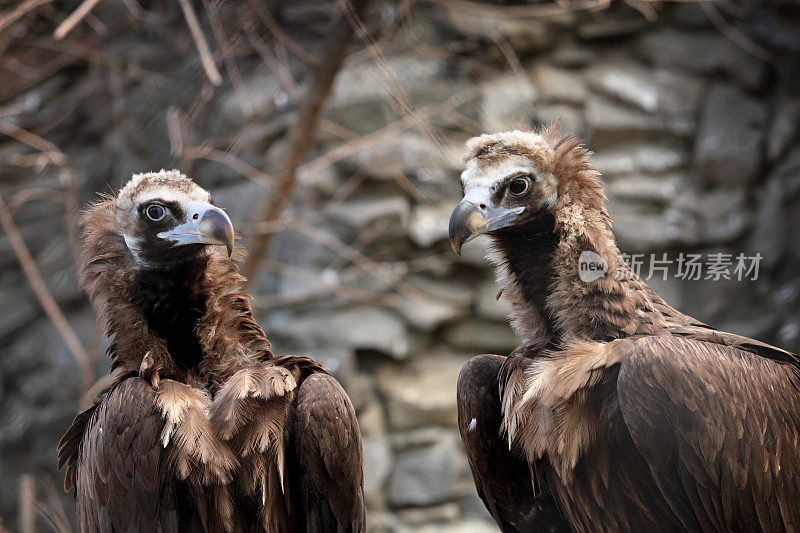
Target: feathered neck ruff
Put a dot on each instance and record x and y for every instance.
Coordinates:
(205, 337)
(537, 265)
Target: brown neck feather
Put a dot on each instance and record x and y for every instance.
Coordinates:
(537, 268)
(194, 318)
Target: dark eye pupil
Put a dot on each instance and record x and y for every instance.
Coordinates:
(518, 186)
(155, 212)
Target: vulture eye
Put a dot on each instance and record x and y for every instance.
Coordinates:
(518, 186)
(155, 212)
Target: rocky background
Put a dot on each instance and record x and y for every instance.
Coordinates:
(692, 110)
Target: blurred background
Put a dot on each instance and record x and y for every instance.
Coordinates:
(331, 132)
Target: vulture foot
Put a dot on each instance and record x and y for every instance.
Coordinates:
(149, 370)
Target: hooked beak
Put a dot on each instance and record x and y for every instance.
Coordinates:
(205, 224)
(476, 215)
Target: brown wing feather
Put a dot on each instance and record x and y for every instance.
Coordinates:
(324, 458)
(720, 429)
(145, 460)
(503, 479)
(68, 446)
(121, 475)
(250, 412)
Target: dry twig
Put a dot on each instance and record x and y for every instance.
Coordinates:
(228, 56)
(376, 137)
(262, 12)
(74, 18)
(40, 289)
(52, 510)
(522, 10)
(20, 11)
(733, 34)
(26, 514)
(200, 42)
(302, 134)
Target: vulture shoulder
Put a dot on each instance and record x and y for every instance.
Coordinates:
(325, 457)
(129, 457)
(513, 494)
(716, 418)
(296, 434)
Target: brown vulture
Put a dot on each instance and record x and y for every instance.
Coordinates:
(616, 412)
(203, 429)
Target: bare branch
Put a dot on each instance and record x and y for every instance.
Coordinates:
(26, 513)
(522, 10)
(302, 134)
(40, 289)
(36, 142)
(376, 137)
(175, 133)
(733, 34)
(228, 159)
(228, 56)
(74, 18)
(200, 42)
(261, 11)
(52, 510)
(20, 11)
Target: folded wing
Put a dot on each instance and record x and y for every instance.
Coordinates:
(719, 425)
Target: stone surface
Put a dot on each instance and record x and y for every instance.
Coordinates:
(639, 188)
(421, 393)
(377, 465)
(368, 81)
(467, 526)
(558, 84)
(569, 53)
(692, 218)
(411, 154)
(426, 475)
(506, 103)
(429, 222)
(428, 303)
(522, 34)
(611, 26)
(392, 212)
(650, 90)
(704, 52)
(489, 305)
(784, 125)
(728, 146)
(480, 336)
(769, 232)
(640, 228)
(639, 158)
(357, 329)
(610, 122)
(568, 116)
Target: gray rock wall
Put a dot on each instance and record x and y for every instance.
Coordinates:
(696, 137)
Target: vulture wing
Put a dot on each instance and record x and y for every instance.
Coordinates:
(718, 423)
(128, 457)
(324, 457)
(503, 479)
(299, 446)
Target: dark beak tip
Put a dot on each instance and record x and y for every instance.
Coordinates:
(216, 224)
(462, 225)
(456, 246)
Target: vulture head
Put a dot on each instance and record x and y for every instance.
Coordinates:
(516, 179)
(542, 204)
(165, 218)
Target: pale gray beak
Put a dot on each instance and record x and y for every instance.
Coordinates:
(205, 224)
(476, 215)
